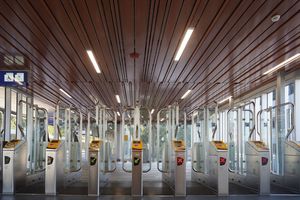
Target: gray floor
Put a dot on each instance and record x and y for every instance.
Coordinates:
(122, 197)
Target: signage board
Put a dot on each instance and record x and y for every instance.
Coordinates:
(13, 78)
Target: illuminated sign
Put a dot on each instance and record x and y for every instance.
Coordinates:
(13, 78)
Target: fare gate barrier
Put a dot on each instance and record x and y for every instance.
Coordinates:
(137, 168)
(258, 166)
(209, 158)
(172, 163)
(94, 168)
(218, 167)
(54, 178)
(14, 165)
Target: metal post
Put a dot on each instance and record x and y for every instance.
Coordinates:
(297, 108)
(7, 119)
(280, 83)
(87, 135)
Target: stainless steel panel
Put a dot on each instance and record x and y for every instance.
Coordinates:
(14, 167)
(137, 174)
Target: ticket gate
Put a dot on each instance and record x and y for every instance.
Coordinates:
(14, 165)
(292, 169)
(249, 159)
(94, 168)
(284, 149)
(54, 178)
(209, 158)
(258, 166)
(172, 161)
(137, 168)
(218, 166)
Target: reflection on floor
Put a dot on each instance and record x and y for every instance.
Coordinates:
(126, 197)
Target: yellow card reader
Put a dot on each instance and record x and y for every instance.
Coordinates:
(220, 145)
(54, 144)
(12, 144)
(178, 145)
(137, 145)
(95, 144)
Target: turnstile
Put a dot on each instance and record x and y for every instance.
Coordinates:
(218, 167)
(137, 168)
(14, 165)
(54, 179)
(179, 163)
(292, 169)
(258, 166)
(94, 168)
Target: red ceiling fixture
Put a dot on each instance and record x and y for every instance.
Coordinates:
(134, 55)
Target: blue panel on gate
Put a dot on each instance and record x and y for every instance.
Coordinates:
(13, 78)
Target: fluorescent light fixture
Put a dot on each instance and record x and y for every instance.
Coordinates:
(118, 98)
(118, 113)
(152, 111)
(291, 59)
(185, 94)
(226, 99)
(183, 44)
(65, 93)
(162, 119)
(93, 60)
(195, 114)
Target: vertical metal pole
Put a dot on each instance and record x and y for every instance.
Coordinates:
(280, 83)
(297, 107)
(80, 134)
(19, 115)
(87, 135)
(97, 123)
(7, 119)
(56, 135)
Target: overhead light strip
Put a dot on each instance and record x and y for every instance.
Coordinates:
(118, 98)
(118, 113)
(226, 99)
(289, 60)
(152, 111)
(185, 94)
(183, 44)
(93, 60)
(65, 93)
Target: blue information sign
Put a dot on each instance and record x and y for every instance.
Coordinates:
(13, 78)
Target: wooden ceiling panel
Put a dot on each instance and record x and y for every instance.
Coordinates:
(233, 43)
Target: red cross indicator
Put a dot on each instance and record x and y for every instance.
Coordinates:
(180, 161)
(264, 160)
(222, 161)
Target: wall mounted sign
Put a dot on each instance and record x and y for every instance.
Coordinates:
(14, 78)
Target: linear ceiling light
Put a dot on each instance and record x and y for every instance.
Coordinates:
(93, 60)
(118, 98)
(289, 60)
(226, 99)
(65, 93)
(152, 111)
(118, 113)
(185, 94)
(183, 44)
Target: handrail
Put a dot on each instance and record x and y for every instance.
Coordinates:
(145, 171)
(214, 132)
(278, 107)
(123, 167)
(160, 170)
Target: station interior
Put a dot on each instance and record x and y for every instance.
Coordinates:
(150, 99)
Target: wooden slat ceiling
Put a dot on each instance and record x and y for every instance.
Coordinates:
(233, 43)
